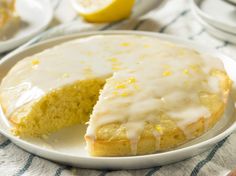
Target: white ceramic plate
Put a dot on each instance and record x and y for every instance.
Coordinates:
(35, 16)
(219, 14)
(67, 146)
(215, 31)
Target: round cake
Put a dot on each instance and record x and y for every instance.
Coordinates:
(138, 94)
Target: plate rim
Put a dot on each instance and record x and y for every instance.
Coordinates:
(174, 39)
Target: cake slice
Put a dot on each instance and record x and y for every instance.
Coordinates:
(158, 104)
(9, 19)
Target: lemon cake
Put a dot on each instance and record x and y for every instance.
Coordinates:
(138, 94)
(9, 19)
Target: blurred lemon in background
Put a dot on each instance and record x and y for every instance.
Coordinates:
(104, 10)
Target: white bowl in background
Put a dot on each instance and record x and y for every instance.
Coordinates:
(216, 13)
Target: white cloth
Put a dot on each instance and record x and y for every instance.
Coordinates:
(173, 17)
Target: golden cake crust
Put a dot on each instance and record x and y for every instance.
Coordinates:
(147, 143)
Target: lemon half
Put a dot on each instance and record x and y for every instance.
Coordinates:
(104, 10)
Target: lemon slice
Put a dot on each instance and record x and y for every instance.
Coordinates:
(104, 10)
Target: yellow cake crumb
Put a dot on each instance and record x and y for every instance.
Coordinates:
(131, 80)
(159, 129)
(186, 71)
(35, 62)
(167, 73)
(125, 44)
(136, 87)
(120, 86)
